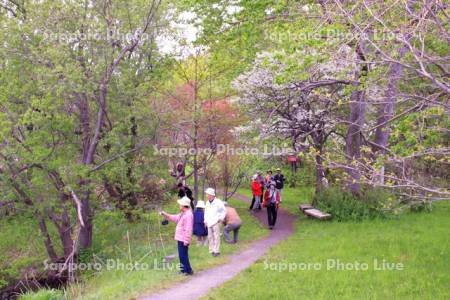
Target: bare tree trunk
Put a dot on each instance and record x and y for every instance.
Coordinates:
(204, 178)
(62, 224)
(195, 164)
(320, 172)
(353, 141)
(226, 178)
(196, 127)
(47, 239)
(386, 112)
(386, 109)
(84, 118)
(65, 233)
(66, 240)
(85, 237)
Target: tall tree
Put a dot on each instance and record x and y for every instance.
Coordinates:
(57, 107)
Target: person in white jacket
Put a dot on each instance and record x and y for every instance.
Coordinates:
(214, 215)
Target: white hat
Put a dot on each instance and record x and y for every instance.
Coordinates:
(210, 191)
(185, 201)
(254, 177)
(201, 204)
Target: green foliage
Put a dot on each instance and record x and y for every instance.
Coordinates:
(372, 203)
(21, 246)
(85, 255)
(419, 131)
(305, 175)
(44, 294)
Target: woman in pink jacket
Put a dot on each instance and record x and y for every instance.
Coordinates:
(183, 232)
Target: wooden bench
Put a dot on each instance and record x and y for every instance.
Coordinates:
(312, 212)
(303, 207)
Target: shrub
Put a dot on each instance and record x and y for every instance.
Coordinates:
(344, 206)
(43, 295)
(303, 176)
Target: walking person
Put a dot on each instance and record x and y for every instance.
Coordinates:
(183, 232)
(261, 181)
(253, 195)
(232, 223)
(200, 230)
(272, 203)
(214, 215)
(257, 193)
(184, 190)
(279, 181)
(268, 179)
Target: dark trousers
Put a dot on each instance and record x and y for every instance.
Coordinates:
(260, 200)
(253, 202)
(271, 214)
(231, 227)
(184, 258)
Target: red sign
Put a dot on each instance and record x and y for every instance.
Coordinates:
(292, 158)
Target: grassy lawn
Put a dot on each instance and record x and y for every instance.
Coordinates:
(22, 247)
(418, 241)
(124, 284)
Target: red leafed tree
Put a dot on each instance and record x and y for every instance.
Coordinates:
(197, 124)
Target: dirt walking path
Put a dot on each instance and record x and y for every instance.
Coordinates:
(200, 284)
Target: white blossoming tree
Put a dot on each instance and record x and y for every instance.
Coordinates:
(293, 107)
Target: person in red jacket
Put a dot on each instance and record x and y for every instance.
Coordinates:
(257, 193)
(272, 202)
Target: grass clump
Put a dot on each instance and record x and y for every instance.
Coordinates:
(371, 203)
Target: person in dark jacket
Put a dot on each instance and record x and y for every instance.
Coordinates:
(179, 173)
(268, 179)
(279, 181)
(184, 190)
(272, 202)
(200, 230)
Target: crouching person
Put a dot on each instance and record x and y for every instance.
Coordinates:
(183, 232)
(233, 223)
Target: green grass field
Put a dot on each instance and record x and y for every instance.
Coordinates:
(21, 246)
(420, 242)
